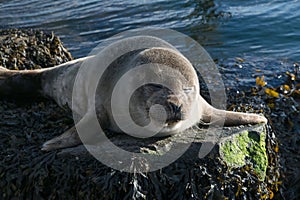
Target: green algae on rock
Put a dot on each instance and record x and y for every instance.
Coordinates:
(246, 147)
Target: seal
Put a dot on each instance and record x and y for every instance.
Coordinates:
(178, 104)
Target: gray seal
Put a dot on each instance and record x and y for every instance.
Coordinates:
(184, 107)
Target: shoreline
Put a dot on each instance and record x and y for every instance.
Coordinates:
(29, 123)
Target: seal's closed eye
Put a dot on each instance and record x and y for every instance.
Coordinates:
(155, 86)
(188, 89)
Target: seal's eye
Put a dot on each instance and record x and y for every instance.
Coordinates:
(155, 86)
(188, 89)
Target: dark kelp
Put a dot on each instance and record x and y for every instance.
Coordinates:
(31, 49)
(279, 100)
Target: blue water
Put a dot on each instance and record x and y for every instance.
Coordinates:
(263, 28)
(257, 30)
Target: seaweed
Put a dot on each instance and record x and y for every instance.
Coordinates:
(279, 101)
(31, 49)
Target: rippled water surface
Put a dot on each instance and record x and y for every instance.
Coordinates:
(227, 29)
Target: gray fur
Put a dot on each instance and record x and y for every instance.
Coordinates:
(57, 83)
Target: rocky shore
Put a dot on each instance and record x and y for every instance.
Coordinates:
(243, 165)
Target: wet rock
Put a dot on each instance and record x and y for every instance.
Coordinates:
(246, 147)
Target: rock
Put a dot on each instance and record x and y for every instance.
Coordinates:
(237, 147)
(246, 147)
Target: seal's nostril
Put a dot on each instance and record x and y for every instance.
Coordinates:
(175, 108)
(175, 114)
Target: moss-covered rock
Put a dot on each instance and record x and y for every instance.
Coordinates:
(246, 147)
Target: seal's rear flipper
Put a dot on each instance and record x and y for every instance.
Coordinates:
(69, 138)
(20, 83)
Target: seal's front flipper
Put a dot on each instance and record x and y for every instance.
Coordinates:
(87, 126)
(69, 138)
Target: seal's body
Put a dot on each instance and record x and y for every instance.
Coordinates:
(180, 99)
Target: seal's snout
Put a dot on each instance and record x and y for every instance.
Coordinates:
(175, 108)
(175, 114)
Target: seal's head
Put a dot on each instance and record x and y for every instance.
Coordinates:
(154, 102)
(170, 101)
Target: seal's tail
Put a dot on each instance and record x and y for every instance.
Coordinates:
(15, 83)
(230, 118)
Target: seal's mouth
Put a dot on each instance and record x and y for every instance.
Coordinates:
(172, 123)
(170, 129)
